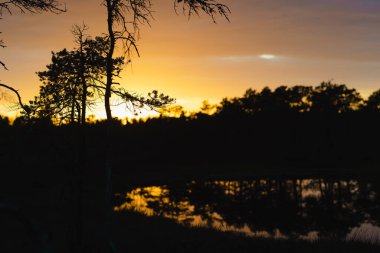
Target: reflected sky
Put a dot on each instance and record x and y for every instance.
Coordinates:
(307, 209)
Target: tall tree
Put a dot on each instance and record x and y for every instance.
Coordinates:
(124, 18)
(74, 79)
(71, 82)
(60, 95)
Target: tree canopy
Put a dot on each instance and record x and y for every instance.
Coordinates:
(326, 98)
(73, 80)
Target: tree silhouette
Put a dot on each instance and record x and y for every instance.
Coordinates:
(60, 96)
(231, 107)
(282, 100)
(290, 99)
(4, 121)
(207, 108)
(124, 19)
(326, 98)
(174, 111)
(249, 101)
(299, 98)
(373, 102)
(73, 80)
(334, 98)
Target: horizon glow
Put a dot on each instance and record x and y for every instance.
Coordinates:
(196, 60)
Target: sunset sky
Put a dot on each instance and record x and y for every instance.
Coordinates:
(267, 43)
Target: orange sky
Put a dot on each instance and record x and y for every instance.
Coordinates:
(195, 60)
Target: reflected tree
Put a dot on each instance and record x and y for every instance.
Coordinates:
(275, 207)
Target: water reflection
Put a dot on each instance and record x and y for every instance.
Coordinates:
(276, 208)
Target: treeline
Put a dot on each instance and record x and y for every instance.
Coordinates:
(325, 126)
(327, 98)
(329, 125)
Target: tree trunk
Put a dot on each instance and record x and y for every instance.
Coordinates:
(108, 158)
(109, 67)
(78, 243)
(84, 85)
(72, 113)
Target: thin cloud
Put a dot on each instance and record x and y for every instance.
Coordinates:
(241, 59)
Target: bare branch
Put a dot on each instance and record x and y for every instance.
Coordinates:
(79, 32)
(3, 64)
(24, 107)
(153, 101)
(127, 17)
(209, 7)
(2, 45)
(33, 6)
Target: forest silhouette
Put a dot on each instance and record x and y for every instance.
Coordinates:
(328, 125)
(62, 169)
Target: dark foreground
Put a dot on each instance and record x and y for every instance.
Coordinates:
(152, 234)
(48, 202)
(137, 233)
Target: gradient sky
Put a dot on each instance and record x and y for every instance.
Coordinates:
(267, 43)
